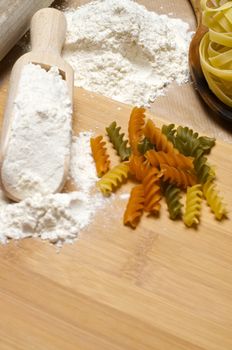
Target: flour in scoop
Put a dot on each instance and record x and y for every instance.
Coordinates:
(121, 50)
(40, 136)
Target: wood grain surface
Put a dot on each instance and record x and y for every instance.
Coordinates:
(160, 287)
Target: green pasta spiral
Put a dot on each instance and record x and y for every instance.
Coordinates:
(145, 145)
(169, 131)
(206, 143)
(117, 139)
(187, 141)
(203, 170)
(173, 195)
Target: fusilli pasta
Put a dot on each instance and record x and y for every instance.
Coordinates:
(214, 200)
(117, 139)
(165, 162)
(145, 145)
(178, 176)
(186, 140)
(135, 128)
(156, 137)
(172, 159)
(134, 209)
(113, 178)
(170, 131)
(100, 155)
(203, 170)
(193, 205)
(138, 167)
(172, 195)
(152, 192)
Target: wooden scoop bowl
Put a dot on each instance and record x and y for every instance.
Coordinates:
(198, 77)
(48, 30)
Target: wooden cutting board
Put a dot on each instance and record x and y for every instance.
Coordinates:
(160, 287)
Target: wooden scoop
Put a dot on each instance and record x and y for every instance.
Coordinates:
(48, 30)
(199, 80)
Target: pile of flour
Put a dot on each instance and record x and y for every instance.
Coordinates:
(60, 217)
(40, 136)
(120, 49)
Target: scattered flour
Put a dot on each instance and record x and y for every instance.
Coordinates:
(124, 196)
(120, 49)
(84, 178)
(40, 135)
(60, 217)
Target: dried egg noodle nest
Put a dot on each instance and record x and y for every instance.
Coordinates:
(216, 49)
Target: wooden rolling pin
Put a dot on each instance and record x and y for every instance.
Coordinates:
(15, 17)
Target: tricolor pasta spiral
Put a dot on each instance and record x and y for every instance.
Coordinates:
(165, 162)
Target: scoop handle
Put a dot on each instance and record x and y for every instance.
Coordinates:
(48, 30)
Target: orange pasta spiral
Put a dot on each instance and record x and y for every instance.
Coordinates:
(172, 159)
(100, 155)
(152, 193)
(138, 167)
(134, 209)
(178, 176)
(156, 137)
(135, 128)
